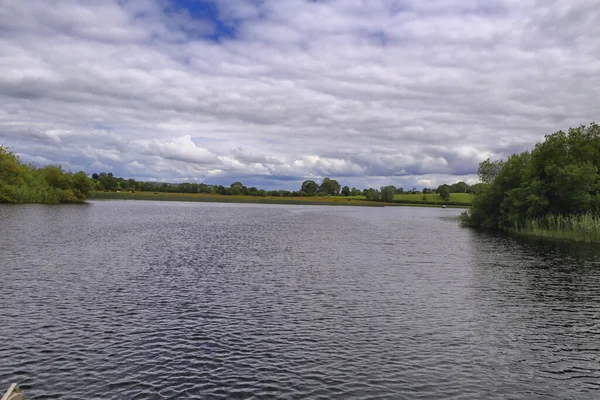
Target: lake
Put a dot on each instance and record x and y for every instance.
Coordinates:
(165, 300)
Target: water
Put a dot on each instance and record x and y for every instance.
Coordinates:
(165, 300)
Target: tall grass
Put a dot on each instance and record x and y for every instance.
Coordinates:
(581, 227)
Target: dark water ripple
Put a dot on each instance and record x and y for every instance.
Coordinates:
(143, 300)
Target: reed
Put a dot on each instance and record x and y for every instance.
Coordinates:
(578, 227)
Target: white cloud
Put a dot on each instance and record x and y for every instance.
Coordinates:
(178, 149)
(386, 91)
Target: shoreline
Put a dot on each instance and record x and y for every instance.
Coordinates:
(203, 198)
(556, 235)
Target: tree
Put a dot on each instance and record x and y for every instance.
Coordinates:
(21, 183)
(460, 187)
(345, 191)
(236, 188)
(55, 176)
(11, 170)
(309, 187)
(488, 170)
(444, 192)
(131, 184)
(387, 193)
(372, 194)
(559, 177)
(107, 181)
(330, 186)
(82, 184)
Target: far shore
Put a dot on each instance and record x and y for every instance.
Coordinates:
(328, 200)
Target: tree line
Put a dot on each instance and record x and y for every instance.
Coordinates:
(328, 187)
(557, 180)
(21, 183)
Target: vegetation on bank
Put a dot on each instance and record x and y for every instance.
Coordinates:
(20, 183)
(581, 228)
(453, 199)
(218, 198)
(551, 191)
(458, 194)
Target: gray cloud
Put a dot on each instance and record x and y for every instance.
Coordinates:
(403, 92)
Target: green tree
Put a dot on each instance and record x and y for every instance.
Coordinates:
(488, 170)
(11, 170)
(21, 183)
(55, 176)
(387, 193)
(236, 188)
(107, 181)
(82, 184)
(372, 194)
(444, 192)
(330, 187)
(309, 187)
(460, 187)
(345, 191)
(560, 176)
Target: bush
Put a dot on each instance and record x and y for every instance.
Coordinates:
(555, 187)
(21, 183)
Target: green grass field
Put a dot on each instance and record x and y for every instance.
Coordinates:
(217, 198)
(456, 199)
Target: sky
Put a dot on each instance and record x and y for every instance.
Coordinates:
(273, 92)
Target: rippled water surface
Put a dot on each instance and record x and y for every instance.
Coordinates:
(136, 300)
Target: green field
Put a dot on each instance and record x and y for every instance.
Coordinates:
(217, 198)
(433, 198)
(457, 199)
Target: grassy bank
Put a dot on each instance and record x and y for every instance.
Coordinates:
(581, 228)
(431, 200)
(216, 198)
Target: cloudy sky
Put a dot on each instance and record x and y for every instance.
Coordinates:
(272, 92)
